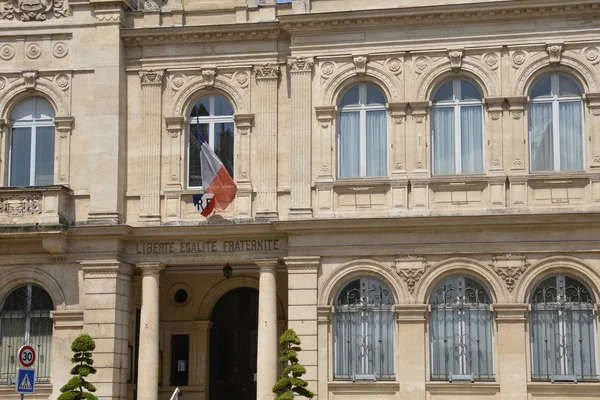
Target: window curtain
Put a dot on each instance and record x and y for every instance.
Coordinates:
(544, 331)
(381, 343)
(443, 140)
(376, 143)
(44, 156)
(479, 358)
(347, 331)
(349, 147)
(20, 157)
(445, 339)
(471, 140)
(541, 141)
(580, 332)
(571, 141)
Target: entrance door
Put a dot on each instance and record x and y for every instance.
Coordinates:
(233, 346)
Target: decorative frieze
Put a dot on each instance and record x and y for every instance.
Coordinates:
(33, 10)
(509, 267)
(19, 205)
(151, 77)
(267, 71)
(411, 269)
(301, 64)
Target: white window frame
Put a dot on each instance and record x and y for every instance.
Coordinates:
(457, 104)
(555, 100)
(32, 124)
(211, 120)
(362, 107)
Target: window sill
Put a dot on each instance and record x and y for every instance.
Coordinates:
(379, 387)
(462, 387)
(361, 183)
(564, 388)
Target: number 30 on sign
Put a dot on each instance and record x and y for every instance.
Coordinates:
(26, 356)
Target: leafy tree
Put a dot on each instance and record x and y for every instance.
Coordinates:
(291, 382)
(73, 390)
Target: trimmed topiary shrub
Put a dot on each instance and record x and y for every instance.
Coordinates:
(73, 390)
(291, 382)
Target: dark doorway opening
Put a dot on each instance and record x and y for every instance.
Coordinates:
(233, 346)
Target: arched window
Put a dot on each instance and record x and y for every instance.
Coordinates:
(25, 319)
(457, 128)
(364, 331)
(32, 143)
(362, 134)
(211, 117)
(563, 331)
(556, 124)
(461, 331)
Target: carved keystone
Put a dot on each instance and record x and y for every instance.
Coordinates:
(509, 267)
(411, 269)
(455, 57)
(554, 53)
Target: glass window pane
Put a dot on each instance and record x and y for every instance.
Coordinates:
(540, 137)
(567, 86)
(24, 110)
(376, 143)
(43, 108)
(542, 87)
(349, 146)
(443, 141)
(350, 97)
(202, 108)
(223, 146)
(375, 95)
(444, 92)
(471, 140)
(571, 136)
(222, 106)
(44, 156)
(20, 157)
(468, 91)
(195, 174)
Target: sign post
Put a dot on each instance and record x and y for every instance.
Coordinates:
(25, 374)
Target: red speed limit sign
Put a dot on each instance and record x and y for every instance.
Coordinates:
(26, 356)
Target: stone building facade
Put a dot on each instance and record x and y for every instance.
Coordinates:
(418, 196)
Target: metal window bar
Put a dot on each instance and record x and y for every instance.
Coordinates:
(25, 319)
(461, 332)
(563, 332)
(364, 332)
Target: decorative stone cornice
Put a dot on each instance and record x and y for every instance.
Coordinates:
(324, 314)
(411, 313)
(151, 267)
(455, 57)
(151, 77)
(67, 319)
(398, 111)
(301, 64)
(515, 313)
(267, 71)
(509, 267)
(554, 53)
(325, 114)
(267, 264)
(174, 125)
(302, 264)
(593, 100)
(63, 124)
(495, 106)
(102, 269)
(411, 269)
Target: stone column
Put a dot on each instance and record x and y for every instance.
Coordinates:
(512, 354)
(324, 182)
(62, 167)
(411, 359)
(302, 310)
(107, 189)
(107, 287)
(324, 314)
(149, 331)
(151, 145)
(268, 343)
(301, 174)
(267, 78)
(243, 125)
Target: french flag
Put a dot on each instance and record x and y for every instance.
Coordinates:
(216, 181)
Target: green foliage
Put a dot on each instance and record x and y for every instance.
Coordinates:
(291, 383)
(74, 389)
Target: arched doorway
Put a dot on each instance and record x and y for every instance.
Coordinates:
(233, 346)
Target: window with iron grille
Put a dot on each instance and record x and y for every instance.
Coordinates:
(461, 331)
(25, 319)
(563, 331)
(364, 331)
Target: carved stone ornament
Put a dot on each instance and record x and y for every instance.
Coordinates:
(7, 52)
(419, 119)
(509, 267)
(596, 111)
(496, 164)
(33, 10)
(151, 77)
(2, 83)
(267, 71)
(177, 82)
(327, 69)
(519, 58)
(209, 75)
(455, 57)
(30, 78)
(421, 63)
(242, 79)
(554, 53)
(60, 50)
(495, 115)
(398, 119)
(516, 114)
(360, 64)
(591, 54)
(490, 59)
(20, 205)
(395, 65)
(411, 269)
(301, 64)
(597, 160)
(62, 81)
(33, 51)
(420, 165)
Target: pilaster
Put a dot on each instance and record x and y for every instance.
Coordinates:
(302, 310)
(62, 167)
(267, 78)
(419, 133)
(301, 78)
(107, 287)
(243, 124)
(517, 145)
(324, 325)
(410, 361)
(151, 82)
(511, 340)
(324, 182)
(399, 181)
(593, 127)
(203, 329)
(172, 212)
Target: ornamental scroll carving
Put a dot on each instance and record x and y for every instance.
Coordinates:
(33, 10)
(554, 53)
(360, 64)
(301, 64)
(455, 57)
(151, 77)
(267, 71)
(20, 205)
(411, 269)
(509, 267)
